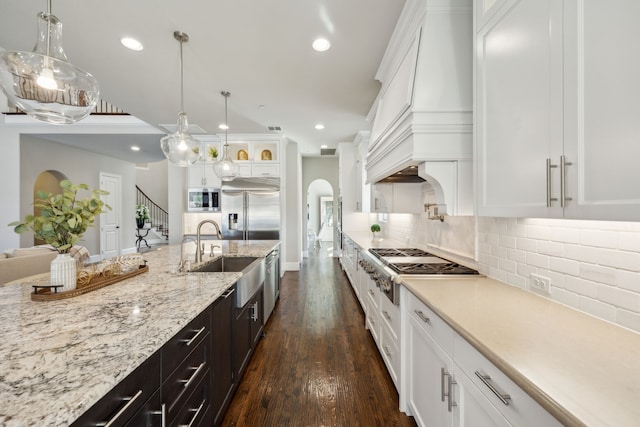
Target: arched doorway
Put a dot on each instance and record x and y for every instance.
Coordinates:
(319, 215)
(48, 182)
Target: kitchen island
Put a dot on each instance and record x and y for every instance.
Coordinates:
(58, 358)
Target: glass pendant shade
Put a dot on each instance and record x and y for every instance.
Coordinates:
(43, 83)
(226, 169)
(180, 147)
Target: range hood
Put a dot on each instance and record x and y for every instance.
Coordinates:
(422, 117)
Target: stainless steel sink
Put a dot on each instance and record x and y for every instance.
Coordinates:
(252, 269)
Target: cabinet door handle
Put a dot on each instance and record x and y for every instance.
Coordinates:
(450, 402)
(371, 293)
(486, 380)
(563, 181)
(443, 373)
(228, 293)
(421, 315)
(195, 416)
(386, 315)
(189, 342)
(130, 401)
(549, 198)
(386, 351)
(162, 412)
(188, 382)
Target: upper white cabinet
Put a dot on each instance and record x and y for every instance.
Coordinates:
(555, 109)
(257, 157)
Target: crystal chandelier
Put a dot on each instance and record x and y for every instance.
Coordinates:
(226, 169)
(180, 147)
(43, 83)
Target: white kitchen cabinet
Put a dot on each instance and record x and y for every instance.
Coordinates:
(556, 129)
(372, 320)
(201, 175)
(518, 107)
(429, 366)
(443, 384)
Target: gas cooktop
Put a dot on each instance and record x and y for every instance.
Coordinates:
(417, 261)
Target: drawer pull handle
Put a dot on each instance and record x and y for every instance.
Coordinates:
(386, 315)
(163, 413)
(486, 379)
(371, 293)
(195, 417)
(194, 376)
(228, 293)
(122, 410)
(189, 342)
(421, 315)
(386, 351)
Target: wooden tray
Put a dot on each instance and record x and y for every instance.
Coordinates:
(45, 294)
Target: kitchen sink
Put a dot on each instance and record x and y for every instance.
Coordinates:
(222, 264)
(253, 274)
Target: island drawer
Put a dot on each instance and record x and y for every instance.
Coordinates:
(183, 343)
(126, 398)
(182, 382)
(196, 408)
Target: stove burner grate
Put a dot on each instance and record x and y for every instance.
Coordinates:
(421, 268)
(404, 252)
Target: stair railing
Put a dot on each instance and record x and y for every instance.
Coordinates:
(158, 217)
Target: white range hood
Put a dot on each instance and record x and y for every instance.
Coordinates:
(423, 113)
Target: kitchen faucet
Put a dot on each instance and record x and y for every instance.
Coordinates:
(199, 251)
(182, 260)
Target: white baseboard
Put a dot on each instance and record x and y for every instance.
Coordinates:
(291, 266)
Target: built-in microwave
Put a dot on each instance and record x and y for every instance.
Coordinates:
(203, 200)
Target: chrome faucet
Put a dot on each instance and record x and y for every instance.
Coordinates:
(182, 260)
(199, 251)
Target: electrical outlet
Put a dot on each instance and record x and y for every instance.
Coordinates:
(540, 284)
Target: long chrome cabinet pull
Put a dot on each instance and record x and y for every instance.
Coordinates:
(549, 198)
(195, 417)
(189, 342)
(386, 351)
(228, 293)
(450, 402)
(443, 373)
(386, 315)
(563, 181)
(130, 401)
(486, 379)
(194, 376)
(421, 315)
(162, 412)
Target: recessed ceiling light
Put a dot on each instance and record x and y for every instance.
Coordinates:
(261, 107)
(321, 45)
(131, 43)
(135, 148)
(223, 126)
(319, 126)
(324, 146)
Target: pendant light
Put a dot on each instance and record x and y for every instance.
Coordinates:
(180, 147)
(226, 169)
(43, 83)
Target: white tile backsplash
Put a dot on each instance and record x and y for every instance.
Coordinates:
(594, 266)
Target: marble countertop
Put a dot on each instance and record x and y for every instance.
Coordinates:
(58, 358)
(582, 370)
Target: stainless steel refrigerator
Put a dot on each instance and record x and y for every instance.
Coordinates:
(251, 209)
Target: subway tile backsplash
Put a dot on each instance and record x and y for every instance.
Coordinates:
(594, 266)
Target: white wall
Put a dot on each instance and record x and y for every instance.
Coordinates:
(318, 188)
(80, 166)
(290, 233)
(153, 181)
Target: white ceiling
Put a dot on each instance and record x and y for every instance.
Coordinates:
(259, 50)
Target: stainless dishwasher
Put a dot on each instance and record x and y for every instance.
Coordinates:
(271, 282)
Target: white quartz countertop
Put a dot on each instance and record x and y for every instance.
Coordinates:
(582, 370)
(58, 358)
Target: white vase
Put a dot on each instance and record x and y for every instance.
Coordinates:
(63, 272)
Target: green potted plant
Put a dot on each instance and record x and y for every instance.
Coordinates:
(63, 220)
(375, 228)
(142, 215)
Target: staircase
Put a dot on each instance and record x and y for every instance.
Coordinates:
(158, 217)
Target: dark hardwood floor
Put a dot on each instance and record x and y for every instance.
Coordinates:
(316, 365)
